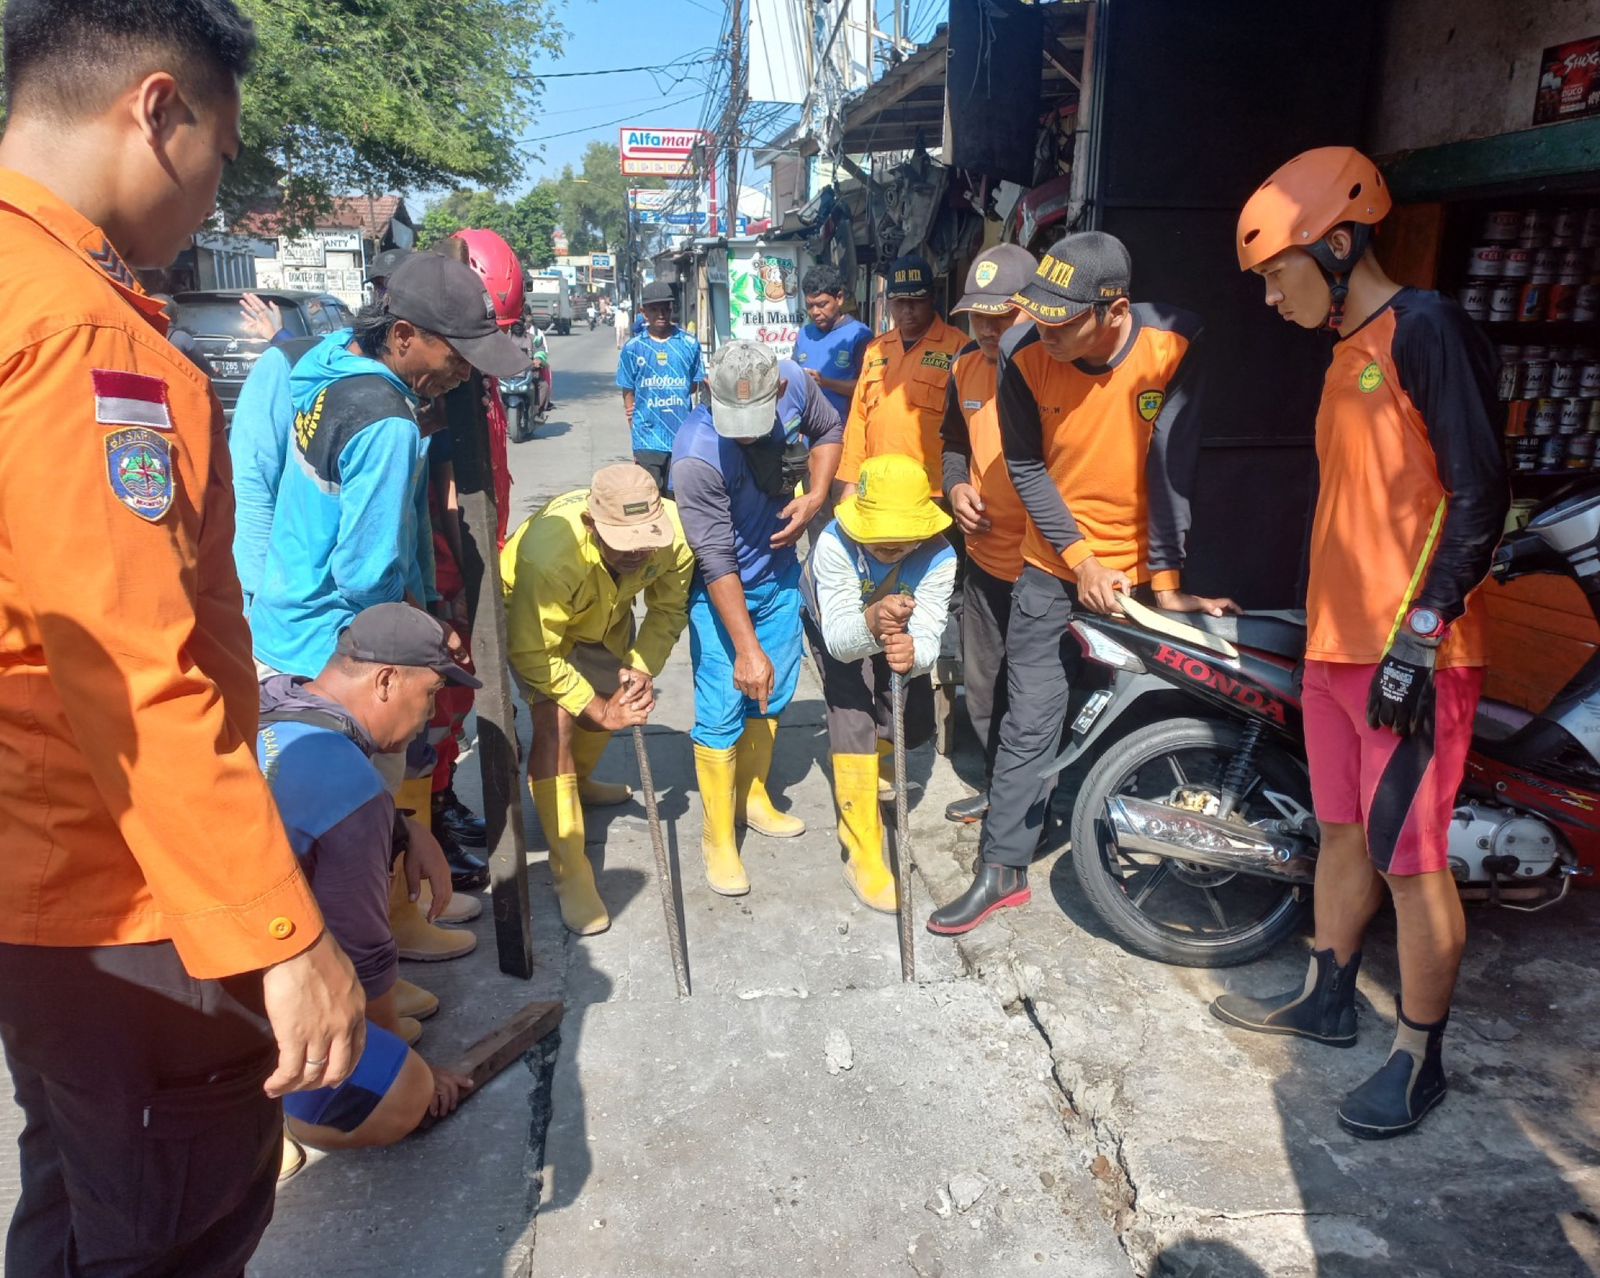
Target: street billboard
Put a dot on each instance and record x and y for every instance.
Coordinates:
(654, 152)
(764, 301)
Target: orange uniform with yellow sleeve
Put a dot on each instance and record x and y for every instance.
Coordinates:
(135, 811)
(1412, 492)
(1103, 456)
(972, 455)
(899, 401)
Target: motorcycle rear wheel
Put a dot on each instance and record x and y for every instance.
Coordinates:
(1191, 927)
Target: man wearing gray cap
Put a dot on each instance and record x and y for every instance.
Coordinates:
(351, 511)
(742, 522)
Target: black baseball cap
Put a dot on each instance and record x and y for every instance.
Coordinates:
(656, 291)
(382, 266)
(996, 275)
(1077, 273)
(441, 295)
(910, 277)
(396, 634)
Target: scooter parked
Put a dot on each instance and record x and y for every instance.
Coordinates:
(1193, 836)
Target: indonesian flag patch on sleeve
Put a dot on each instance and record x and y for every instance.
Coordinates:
(130, 399)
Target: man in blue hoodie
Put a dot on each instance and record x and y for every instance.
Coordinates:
(349, 514)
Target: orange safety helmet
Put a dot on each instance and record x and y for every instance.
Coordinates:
(1305, 199)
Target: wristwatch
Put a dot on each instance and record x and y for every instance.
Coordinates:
(1426, 624)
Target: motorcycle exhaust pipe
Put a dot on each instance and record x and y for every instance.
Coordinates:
(1142, 826)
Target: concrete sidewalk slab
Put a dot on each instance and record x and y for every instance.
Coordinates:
(720, 1136)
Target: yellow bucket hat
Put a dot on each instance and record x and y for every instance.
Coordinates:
(893, 502)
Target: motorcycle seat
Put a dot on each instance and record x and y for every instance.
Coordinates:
(1283, 634)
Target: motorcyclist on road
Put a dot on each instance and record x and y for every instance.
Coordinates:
(1412, 501)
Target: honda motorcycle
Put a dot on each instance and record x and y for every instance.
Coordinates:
(1193, 836)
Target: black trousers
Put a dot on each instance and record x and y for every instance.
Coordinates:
(1041, 659)
(985, 621)
(148, 1147)
(657, 463)
(860, 701)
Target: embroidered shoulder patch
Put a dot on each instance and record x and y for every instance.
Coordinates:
(130, 399)
(139, 470)
(1150, 402)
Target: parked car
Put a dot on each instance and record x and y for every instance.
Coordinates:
(213, 317)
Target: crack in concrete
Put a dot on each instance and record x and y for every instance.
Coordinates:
(540, 1062)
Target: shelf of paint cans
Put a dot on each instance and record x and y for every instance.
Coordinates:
(1537, 265)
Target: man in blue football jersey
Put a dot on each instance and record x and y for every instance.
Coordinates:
(659, 374)
(830, 347)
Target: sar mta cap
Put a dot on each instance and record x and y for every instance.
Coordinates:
(998, 273)
(625, 505)
(396, 634)
(744, 391)
(910, 277)
(383, 266)
(1078, 272)
(655, 291)
(439, 294)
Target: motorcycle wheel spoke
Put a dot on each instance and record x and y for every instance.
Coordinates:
(1152, 883)
(1216, 907)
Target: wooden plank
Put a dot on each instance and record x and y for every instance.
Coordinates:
(506, 1043)
(1504, 160)
(498, 764)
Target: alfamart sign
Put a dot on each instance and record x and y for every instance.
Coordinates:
(666, 153)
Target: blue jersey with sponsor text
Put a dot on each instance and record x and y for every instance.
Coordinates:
(835, 354)
(662, 377)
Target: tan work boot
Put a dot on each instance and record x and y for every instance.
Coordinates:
(414, 936)
(587, 747)
(752, 804)
(463, 907)
(292, 1159)
(718, 848)
(414, 1001)
(855, 781)
(561, 814)
(410, 1031)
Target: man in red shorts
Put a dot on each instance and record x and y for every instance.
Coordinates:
(1413, 498)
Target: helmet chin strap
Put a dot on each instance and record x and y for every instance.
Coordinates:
(1337, 269)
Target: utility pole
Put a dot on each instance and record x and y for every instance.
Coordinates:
(735, 109)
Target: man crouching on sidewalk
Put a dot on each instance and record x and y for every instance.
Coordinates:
(315, 745)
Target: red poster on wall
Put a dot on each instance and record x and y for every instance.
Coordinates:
(1569, 82)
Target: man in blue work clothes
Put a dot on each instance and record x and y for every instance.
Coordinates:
(742, 520)
(346, 524)
(659, 374)
(831, 346)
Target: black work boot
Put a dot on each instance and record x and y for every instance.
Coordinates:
(457, 820)
(966, 811)
(1323, 1009)
(995, 887)
(468, 871)
(1398, 1097)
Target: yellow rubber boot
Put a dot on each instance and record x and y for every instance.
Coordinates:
(410, 1030)
(716, 770)
(415, 937)
(855, 782)
(886, 771)
(561, 814)
(587, 747)
(752, 804)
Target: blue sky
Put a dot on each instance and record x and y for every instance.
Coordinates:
(621, 33)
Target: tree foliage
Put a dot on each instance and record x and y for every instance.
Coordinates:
(527, 224)
(594, 200)
(386, 95)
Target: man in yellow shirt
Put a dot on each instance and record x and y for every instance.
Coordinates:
(905, 375)
(571, 574)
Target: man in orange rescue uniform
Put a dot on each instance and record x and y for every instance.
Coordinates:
(986, 507)
(1411, 504)
(164, 971)
(899, 401)
(1097, 423)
